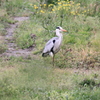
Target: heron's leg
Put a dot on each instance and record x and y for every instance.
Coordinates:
(52, 55)
(53, 59)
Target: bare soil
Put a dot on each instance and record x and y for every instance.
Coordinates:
(12, 47)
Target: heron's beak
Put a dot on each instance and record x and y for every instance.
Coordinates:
(63, 30)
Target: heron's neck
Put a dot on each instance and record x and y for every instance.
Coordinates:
(59, 34)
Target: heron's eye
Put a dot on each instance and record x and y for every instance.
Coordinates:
(58, 28)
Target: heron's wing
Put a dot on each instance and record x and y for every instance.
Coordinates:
(51, 41)
(49, 45)
(57, 45)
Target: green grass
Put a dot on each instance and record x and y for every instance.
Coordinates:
(22, 79)
(2, 33)
(76, 75)
(23, 34)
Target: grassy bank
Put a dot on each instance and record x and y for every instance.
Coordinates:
(80, 44)
(76, 75)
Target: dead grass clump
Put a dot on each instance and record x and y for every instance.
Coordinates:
(87, 57)
(79, 58)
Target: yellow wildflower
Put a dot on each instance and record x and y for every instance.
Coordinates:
(53, 10)
(73, 13)
(78, 4)
(88, 10)
(84, 11)
(44, 5)
(50, 5)
(59, 3)
(64, 4)
(42, 11)
(30, 4)
(35, 7)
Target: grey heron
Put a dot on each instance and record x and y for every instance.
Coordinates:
(53, 45)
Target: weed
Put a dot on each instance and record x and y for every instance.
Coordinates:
(87, 82)
(23, 37)
(3, 48)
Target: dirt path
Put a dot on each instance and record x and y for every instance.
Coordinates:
(12, 47)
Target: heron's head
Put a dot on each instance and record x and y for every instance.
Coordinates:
(60, 29)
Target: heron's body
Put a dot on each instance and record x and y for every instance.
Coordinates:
(53, 45)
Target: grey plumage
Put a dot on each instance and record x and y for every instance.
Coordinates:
(50, 47)
(53, 45)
